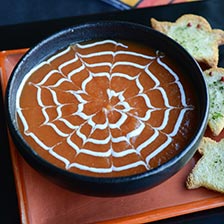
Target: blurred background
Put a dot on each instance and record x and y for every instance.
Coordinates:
(23, 11)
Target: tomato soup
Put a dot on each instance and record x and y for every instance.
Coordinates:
(107, 108)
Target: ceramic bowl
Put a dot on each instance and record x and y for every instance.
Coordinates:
(104, 30)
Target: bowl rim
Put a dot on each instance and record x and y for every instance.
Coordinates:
(25, 148)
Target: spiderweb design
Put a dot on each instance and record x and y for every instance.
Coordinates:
(99, 108)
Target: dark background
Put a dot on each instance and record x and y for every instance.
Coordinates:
(23, 23)
(22, 11)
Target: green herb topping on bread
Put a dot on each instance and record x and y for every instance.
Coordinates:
(215, 82)
(195, 34)
(209, 170)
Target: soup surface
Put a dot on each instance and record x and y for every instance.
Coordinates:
(106, 108)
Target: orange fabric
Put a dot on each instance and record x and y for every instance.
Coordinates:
(148, 3)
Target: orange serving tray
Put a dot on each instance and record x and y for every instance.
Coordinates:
(42, 202)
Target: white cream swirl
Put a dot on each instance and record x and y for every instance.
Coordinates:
(122, 106)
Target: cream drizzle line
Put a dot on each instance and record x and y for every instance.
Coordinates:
(183, 96)
(83, 46)
(112, 53)
(110, 93)
(107, 170)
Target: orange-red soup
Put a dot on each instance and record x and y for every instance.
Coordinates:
(107, 108)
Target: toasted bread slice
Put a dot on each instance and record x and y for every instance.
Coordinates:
(195, 34)
(209, 170)
(215, 81)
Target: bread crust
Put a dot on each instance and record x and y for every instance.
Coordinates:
(194, 30)
(215, 83)
(209, 170)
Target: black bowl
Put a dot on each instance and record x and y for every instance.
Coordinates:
(105, 30)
